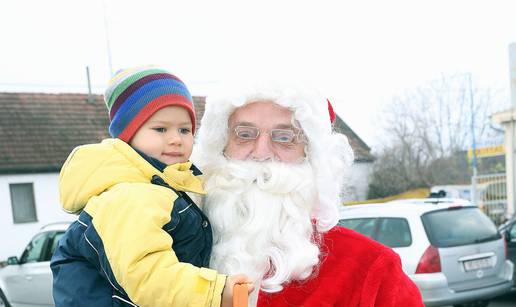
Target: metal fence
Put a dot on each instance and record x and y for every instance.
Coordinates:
(491, 196)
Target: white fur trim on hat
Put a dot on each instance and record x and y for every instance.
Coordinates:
(329, 153)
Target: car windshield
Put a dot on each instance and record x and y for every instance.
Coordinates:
(458, 226)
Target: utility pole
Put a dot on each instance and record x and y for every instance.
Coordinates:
(108, 46)
(90, 97)
(508, 120)
(473, 144)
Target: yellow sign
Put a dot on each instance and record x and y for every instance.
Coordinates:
(491, 151)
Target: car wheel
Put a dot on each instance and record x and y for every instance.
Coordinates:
(3, 300)
(474, 304)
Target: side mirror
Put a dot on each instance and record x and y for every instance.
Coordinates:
(12, 260)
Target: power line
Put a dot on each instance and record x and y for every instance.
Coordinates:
(108, 45)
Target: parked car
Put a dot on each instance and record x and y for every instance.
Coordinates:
(27, 281)
(450, 249)
(509, 231)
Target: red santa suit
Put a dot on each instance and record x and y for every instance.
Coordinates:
(374, 278)
(353, 270)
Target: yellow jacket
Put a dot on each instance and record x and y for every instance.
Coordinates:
(123, 218)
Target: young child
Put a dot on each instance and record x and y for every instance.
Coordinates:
(139, 239)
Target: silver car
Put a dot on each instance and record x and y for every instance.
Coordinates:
(448, 247)
(27, 281)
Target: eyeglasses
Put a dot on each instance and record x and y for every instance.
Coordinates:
(282, 136)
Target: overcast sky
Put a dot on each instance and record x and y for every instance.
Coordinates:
(359, 53)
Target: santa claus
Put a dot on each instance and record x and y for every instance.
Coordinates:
(274, 171)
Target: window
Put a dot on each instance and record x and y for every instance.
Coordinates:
(34, 251)
(365, 226)
(512, 232)
(54, 241)
(393, 232)
(459, 226)
(22, 203)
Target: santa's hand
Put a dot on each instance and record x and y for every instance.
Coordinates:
(227, 294)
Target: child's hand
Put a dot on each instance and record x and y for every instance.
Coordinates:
(227, 294)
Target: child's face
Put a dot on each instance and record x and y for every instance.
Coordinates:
(166, 136)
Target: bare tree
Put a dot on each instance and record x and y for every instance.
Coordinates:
(427, 133)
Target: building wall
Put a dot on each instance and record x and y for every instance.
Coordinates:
(14, 237)
(356, 187)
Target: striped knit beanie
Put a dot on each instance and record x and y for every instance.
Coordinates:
(135, 94)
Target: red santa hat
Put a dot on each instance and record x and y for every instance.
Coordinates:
(333, 116)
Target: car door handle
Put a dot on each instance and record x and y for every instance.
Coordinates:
(29, 278)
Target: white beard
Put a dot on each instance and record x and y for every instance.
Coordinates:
(261, 218)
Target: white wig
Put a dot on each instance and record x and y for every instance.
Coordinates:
(329, 153)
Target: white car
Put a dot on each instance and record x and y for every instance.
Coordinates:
(27, 281)
(448, 247)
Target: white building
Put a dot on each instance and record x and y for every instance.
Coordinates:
(357, 188)
(38, 131)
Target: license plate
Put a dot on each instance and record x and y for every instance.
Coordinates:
(477, 264)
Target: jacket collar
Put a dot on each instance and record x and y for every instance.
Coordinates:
(181, 176)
